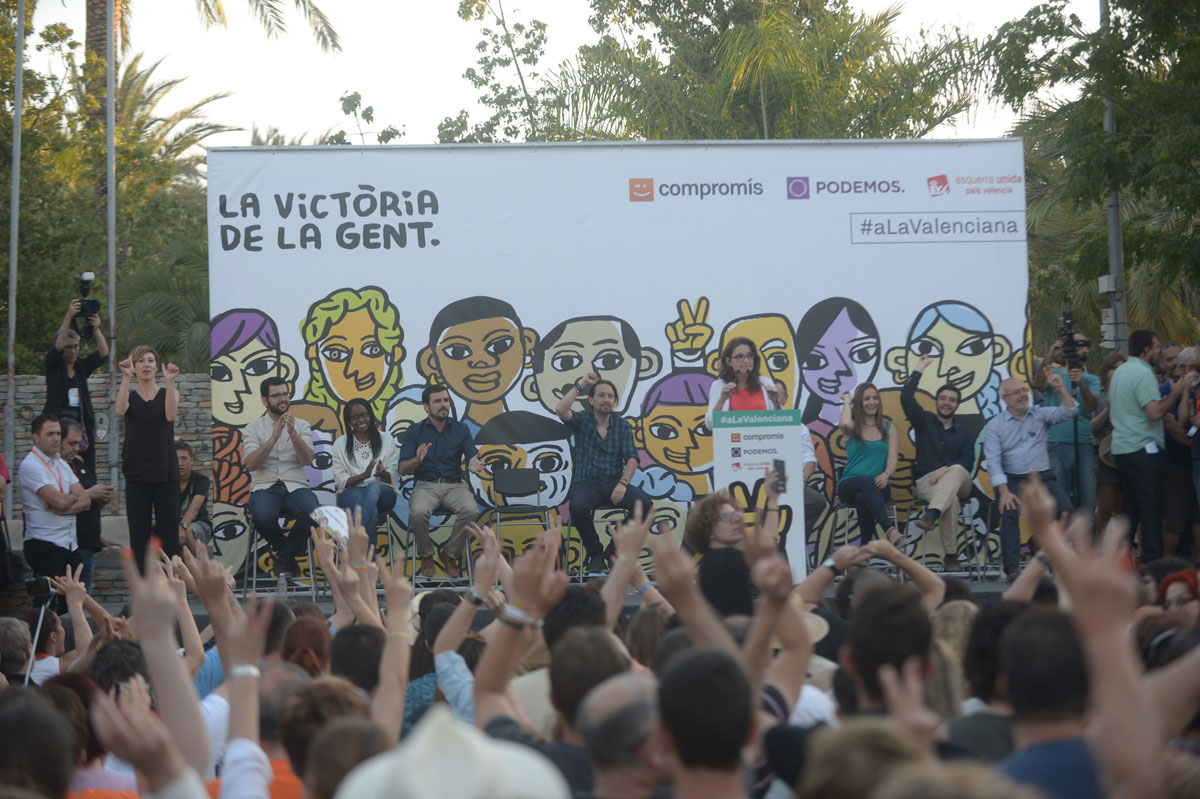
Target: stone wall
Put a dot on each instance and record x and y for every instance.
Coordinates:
(193, 424)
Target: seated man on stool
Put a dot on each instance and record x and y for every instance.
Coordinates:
(605, 460)
(945, 457)
(432, 451)
(278, 483)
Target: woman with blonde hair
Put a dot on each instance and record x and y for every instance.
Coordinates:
(148, 457)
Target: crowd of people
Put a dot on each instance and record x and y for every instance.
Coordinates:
(873, 677)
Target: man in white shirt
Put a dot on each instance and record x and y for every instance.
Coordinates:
(50, 496)
(278, 484)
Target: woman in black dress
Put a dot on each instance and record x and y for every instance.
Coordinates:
(148, 456)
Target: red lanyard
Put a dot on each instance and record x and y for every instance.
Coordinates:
(52, 470)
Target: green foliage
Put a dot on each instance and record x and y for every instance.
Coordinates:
(165, 304)
(62, 215)
(720, 69)
(1148, 63)
(507, 82)
(270, 15)
(352, 107)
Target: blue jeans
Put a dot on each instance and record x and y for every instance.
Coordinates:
(266, 505)
(869, 503)
(1066, 460)
(373, 499)
(1010, 520)
(88, 558)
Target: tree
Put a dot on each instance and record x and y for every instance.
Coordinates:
(1148, 62)
(165, 304)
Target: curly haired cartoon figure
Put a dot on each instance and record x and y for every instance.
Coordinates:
(354, 346)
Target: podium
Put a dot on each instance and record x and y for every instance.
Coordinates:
(745, 443)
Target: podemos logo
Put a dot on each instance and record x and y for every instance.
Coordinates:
(797, 188)
(641, 190)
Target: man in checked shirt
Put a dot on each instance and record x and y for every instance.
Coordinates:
(605, 460)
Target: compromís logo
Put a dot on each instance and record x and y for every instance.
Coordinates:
(641, 190)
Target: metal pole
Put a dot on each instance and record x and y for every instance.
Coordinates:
(14, 216)
(110, 127)
(1116, 250)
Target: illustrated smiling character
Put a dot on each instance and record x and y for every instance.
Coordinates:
(477, 348)
(641, 190)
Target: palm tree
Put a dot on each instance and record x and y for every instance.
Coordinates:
(165, 304)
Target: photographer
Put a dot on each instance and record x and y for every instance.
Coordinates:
(67, 375)
(1071, 453)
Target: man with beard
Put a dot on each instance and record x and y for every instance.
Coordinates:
(605, 460)
(1136, 409)
(945, 456)
(433, 451)
(278, 481)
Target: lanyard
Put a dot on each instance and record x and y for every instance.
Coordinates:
(52, 470)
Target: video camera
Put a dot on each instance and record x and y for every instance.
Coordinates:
(87, 306)
(1070, 347)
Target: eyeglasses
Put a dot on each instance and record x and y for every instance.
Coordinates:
(1016, 392)
(742, 356)
(729, 515)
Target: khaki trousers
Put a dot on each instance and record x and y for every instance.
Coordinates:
(944, 496)
(428, 498)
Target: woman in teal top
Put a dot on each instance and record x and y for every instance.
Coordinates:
(871, 453)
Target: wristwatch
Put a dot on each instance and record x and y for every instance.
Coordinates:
(829, 564)
(470, 596)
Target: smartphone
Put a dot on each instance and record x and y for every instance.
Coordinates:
(780, 476)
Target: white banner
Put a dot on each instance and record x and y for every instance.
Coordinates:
(505, 272)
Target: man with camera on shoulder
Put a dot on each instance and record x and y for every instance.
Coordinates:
(1072, 455)
(67, 375)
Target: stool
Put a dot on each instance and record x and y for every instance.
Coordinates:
(410, 556)
(252, 554)
(847, 512)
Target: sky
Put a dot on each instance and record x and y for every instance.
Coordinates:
(406, 58)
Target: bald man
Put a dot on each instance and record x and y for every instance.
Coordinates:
(616, 721)
(1014, 446)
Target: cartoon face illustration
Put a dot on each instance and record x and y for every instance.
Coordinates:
(523, 440)
(838, 346)
(641, 190)
(602, 344)
(672, 429)
(326, 427)
(965, 353)
(245, 352)
(776, 347)
(353, 346)
(229, 534)
(477, 348)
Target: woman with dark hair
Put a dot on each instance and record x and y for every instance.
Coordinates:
(364, 462)
(739, 385)
(838, 347)
(872, 450)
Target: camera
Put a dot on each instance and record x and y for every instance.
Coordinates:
(1070, 347)
(87, 306)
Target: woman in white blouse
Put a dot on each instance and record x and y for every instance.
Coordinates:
(739, 385)
(364, 464)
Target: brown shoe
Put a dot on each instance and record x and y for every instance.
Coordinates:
(951, 563)
(449, 565)
(428, 567)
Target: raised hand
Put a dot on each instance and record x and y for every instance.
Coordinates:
(487, 566)
(904, 697)
(589, 380)
(170, 372)
(630, 537)
(536, 585)
(1038, 507)
(138, 737)
(397, 592)
(126, 367)
(208, 578)
(94, 321)
(150, 598)
(691, 330)
(773, 577)
(73, 309)
(70, 586)
(358, 543)
(1055, 381)
(923, 362)
(849, 556)
(882, 548)
(673, 572)
(247, 637)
